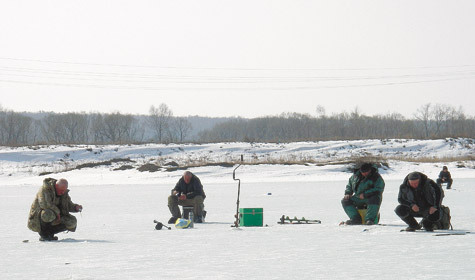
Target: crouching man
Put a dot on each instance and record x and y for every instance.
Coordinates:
(187, 192)
(419, 196)
(49, 213)
(365, 187)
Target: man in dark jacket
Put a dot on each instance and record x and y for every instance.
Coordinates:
(445, 177)
(187, 192)
(419, 196)
(365, 187)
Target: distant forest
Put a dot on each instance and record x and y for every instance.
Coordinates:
(160, 126)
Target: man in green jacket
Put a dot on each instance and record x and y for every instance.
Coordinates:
(364, 188)
(49, 213)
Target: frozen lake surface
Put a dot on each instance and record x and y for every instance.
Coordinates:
(116, 238)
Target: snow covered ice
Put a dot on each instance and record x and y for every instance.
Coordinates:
(116, 238)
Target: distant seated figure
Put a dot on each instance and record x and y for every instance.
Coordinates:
(187, 192)
(49, 213)
(445, 177)
(365, 187)
(419, 196)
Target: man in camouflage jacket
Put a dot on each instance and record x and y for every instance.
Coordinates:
(49, 213)
(364, 188)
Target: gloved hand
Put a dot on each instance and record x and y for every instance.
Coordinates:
(78, 208)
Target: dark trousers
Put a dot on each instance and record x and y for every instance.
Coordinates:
(407, 215)
(448, 181)
(196, 202)
(48, 229)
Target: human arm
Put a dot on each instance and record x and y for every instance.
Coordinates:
(349, 188)
(178, 190)
(69, 205)
(377, 187)
(435, 194)
(404, 196)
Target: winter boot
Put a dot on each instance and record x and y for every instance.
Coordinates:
(413, 225)
(47, 236)
(354, 221)
(413, 228)
(172, 220)
(428, 225)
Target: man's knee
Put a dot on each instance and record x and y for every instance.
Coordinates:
(198, 199)
(70, 222)
(375, 200)
(346, 202)
(402, 211)
(47, 216)
(172, 199)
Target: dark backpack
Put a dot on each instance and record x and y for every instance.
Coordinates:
(444, 222)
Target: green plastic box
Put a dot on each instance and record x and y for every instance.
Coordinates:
(251, 217)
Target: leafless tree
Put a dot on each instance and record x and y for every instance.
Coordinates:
(182, 127)
(118, 128)
(76, 127)
(423, 115)
(53, 129)
(439, 117)
(14, 128)
(159, 120)
(96, 127)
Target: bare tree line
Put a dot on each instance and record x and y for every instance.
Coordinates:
(160, 126)
(430, 121)
(17, 129)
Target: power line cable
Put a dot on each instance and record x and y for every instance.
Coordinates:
(207, 78)
(235, 68)
(228, 88)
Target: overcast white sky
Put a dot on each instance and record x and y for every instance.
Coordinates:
(237, 58)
